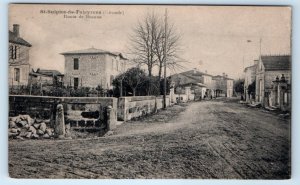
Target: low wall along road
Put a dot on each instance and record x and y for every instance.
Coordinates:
(78, 112)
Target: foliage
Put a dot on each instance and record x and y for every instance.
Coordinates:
(59, 91)
(135, 82)
(251, 89)
(131, 81)
(239, 86)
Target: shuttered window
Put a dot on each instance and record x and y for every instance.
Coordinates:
(76, 64)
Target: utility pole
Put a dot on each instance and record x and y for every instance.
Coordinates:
(165, 61)
(260, 40)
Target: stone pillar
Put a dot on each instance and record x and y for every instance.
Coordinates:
(59, 128)
(111, 119)
(188, 92)
(172, 95)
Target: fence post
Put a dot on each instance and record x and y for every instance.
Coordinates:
(59, 128)
(111, 120)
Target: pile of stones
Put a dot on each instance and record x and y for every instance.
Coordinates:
(25, 127)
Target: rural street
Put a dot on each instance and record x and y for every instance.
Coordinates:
(208, 139)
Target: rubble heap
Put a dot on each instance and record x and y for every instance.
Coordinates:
(23, 126)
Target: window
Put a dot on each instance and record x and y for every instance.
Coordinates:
(285, 98)
(13, 52)
(76, 64)
(76, 82)
(17, 74)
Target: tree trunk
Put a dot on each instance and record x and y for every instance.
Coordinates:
(149, 71)
(160, 70)
(121, 89)
(133, 91)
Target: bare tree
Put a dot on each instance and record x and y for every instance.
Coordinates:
(148, 42)
(143, 40)
(168, 37)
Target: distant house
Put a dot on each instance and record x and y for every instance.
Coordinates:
(250, 76)
(271, 71)
(186, 88)
(19, 66)
(203, 78)
(223, 85)
(92, 67)
(46, 77)
(202, 85)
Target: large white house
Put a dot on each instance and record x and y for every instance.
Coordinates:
(92, 67)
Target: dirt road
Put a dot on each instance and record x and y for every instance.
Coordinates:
(208, 139)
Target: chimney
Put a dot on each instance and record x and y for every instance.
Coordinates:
(195, 70)
(224, 74)
(256, 62)
(16, 30)
(206, 71)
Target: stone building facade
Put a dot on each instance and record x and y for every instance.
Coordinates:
(19, 66)
(250, 75)
(46, 77)
(268, 69)
(203, 85)
(92, 67)
(223, 85)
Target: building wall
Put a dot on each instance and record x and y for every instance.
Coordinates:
(270, 76)
(136, 106)
(220, 84)
(266, 79)
(45, 80)
(229, 88)
(45, 107)
(207, 80)
(21, 62)
(250, 76)
(94, 69)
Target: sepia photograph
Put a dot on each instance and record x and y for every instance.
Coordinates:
(101, 91)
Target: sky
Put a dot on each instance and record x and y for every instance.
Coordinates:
(216, 39)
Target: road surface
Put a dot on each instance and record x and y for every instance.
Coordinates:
(208, 139)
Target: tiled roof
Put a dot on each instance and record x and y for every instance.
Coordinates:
(275, 63)
(195, 73)
(219, 76)
(186, 79)
(93, 51)
(45, 72)
(249, 67)
(48, 72)
(17, 40)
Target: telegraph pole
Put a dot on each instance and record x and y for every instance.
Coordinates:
(165, 61)
(260, 40)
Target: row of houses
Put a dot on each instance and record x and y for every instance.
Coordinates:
(21, 72)
(268, 82)
(94, 67)
(83, 68)
(197, 85)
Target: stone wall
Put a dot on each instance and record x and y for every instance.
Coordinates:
(136, 106)
(78, 111)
